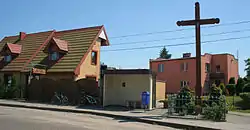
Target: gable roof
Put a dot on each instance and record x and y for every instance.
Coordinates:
(61, 44)
(14, 48)
(29, 46)
(79, 42)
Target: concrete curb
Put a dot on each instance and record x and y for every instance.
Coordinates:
(239, 114)
(148, 121)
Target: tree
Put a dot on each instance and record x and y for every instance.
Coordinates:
(232, 80)
(239, 86)
(248, 67)
(223, 89)
(231, 89)
(164, 54)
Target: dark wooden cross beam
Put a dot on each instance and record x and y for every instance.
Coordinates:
(197, 22)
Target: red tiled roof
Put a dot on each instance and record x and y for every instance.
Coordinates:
(62, 44)
(14, 48)
(77, 43)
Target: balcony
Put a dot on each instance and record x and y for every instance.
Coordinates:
(217, 75)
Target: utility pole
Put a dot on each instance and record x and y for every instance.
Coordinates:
(197, 22)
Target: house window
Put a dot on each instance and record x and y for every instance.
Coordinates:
(217, 68)
(184, 83)
(207, 67)
(184, 66)
(7, 58)
(160, 67)
(54, 56)
(94, 58)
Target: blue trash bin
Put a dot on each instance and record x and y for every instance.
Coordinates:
(145, 98)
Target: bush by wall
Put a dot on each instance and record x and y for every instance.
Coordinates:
(184, 101)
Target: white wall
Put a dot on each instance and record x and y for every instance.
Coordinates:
(115, 94)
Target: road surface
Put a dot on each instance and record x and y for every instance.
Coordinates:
(30, 119)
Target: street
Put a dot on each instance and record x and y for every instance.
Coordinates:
(29, 119)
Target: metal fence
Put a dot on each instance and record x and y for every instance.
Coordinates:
(195, 107)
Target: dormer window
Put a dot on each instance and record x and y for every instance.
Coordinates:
(7, 58)
(54, 56)
(56, 48)
(10, 51)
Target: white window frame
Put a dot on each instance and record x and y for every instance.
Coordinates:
(160, 67)
(7, 58)
(185, 66)
(184, 83)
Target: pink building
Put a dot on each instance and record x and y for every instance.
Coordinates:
(215, 68)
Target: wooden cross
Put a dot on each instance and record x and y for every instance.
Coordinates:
(197, 22)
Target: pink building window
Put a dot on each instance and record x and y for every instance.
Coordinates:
(160, 67)
(217, 68)
(208, 68)
(184, 66)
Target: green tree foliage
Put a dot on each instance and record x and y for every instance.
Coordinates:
(164, 54)
(184, 101)
(231, 89)
(232, 80)
(223, 89)
(239, 86)
(248, 67)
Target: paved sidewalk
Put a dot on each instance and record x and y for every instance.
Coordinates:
(139, 116)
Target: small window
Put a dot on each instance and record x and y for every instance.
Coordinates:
(123, 84)
(94, 58)
(160, 68)
(217, 68)
(54, 56)
(7, 58)
(184, 66)
(207, 67)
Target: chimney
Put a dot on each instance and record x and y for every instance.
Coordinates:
(186, 55)
(22, 35)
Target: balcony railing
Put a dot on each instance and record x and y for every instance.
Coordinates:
(217, 75)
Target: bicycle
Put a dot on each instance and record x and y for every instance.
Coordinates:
(59, 99)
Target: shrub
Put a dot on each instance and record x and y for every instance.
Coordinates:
(245, 104)
(214, 95)
(239, 86)
(184, 101)
(245, 97)
(223, 89)
(247, 87)
(232, 80)
(216, 112)
(231, 89)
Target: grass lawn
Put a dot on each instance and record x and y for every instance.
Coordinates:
(238, 104)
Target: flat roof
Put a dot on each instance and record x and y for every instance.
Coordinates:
(188, 58)
(129, 71)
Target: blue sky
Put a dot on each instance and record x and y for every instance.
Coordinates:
(132, 17)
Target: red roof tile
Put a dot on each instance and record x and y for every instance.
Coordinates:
(62, 44)
(14, 48)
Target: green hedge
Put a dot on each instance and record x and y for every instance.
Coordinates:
(245, 97)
